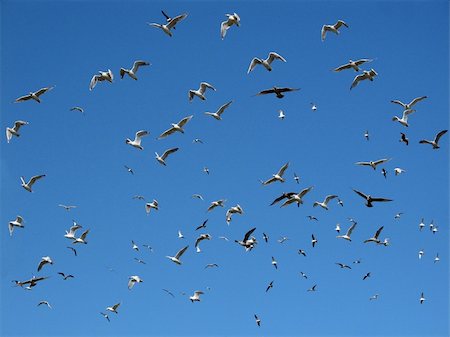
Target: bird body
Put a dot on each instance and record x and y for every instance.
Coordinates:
(154, 204)
(101, 76)
(132, 280)
(45, 260)
(232, 19)
(18, 222)
(196, 296)
(370, 199)
(373, 164)
(332, 28)
(366, 75)
(28, 185)
(176, 127)
(404, 120)
(177, 257)
(200, 93)
(166, 28)
(113, 308)
(136, 143)
(266, 63)
(14, 131)
(132, 72)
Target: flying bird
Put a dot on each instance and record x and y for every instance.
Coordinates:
(77, 108)
(28, 185)
(113, 308)
(211, 265)
(266, 63)
(44, 303)
(154, 204)
(342, 265)
(421, 253)
(366, 135)
(134, 246)
(404, 120)
(422, 298)
(384, 173)
(132, 72)
(65, 277)
(281, 114)
(347, 235)
(374, 297)
(169, 292)
(14, 131)
(324, 204)
(203, 225)
(129, 169)
(218, 114)
(248, 242)
(200, 93)
(338, 228)
(303, 275)
(215, 204)
(375, 237)
(313, 288)
(66, 207)
(33, 95)
(274, 263)
(366, 75)
(332, 28)
(133, 280)
(198, 196)
(176, 127)
(137, 139)
(313, 240)
(196, 296)
(139, 261)
(201, 238)
(161, 159)
(301, 252)
(278, 91)
(18, 222)
(370, 199)
(180, 235)
(277, 176)
(270, 286)
(313, 106)
(353, 65)
(232, 19)
(257, 320)
(101, 76)
(373, 164)
(296, 178)
(297, 198)
(106, 316)
(44, 260)
(398, 171)
(31, 282)
(403, 138)
(285, 195)
(169, 25)
(265, 237)
(434, 142)
(366, 276)
(437, 259)
(70, 234)
(410, 104)
(177, 257)
(233, 210)
(421, 224)
(82, 238)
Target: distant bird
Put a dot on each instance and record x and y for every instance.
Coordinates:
(353, 65)
(340, 202)
(285, 195)
(101, 76)
(370, 199)
(282, 239)
(218, 114)
(281, 114)
(257, 320)
(265, 237)
(196, 296)
(44, 260)
(437, 259)
(197, 140)
(66, 207)
(297, 198)
(278, 91)
(249, 241)
(434, 142)
(169, 292)
(366, 135)
(73, 250)
(421, 253)
(77, 108)
(224, 238)
(200, 93)
(170, 24)
(132, 72)
(366, 276)
(266, 63)
(421, 224)
(129, 169)
(357, 261)
(435, 229)
(324, 204)
(206, 170)
(301, 252)
(422, 298)
(337, 228)
(114, 308)
(215, 204)
(232, 19)
(366, 75)
(44, 303)
(154, 204)
(277, 176)
(313, 240)
(139, 197)
(404, 120)
(384, 173)
(374, 297)
(133, 280)
(14, 131)
(274, 263)
(342, 265)
(375, 237)
(347, 235)
(313, 288)
(176, 127)
(313, 106)
(82, 238)
(398, 215)
(134, 246)
(312, 217)
(270, 286)
(403, 138)
(148, 247)
(33, 95)
(71, 233)
(161, 159)
(211, 265)
(177, 257)
(303, 275)
(198, 196)
(332, 28)
(200, 239)
(65, 277)
(180, 235)
(28, 185)
(296, 178)
(105, 315)
(139, 261)
(373, 164)
(431, 225)
(137, 139)
(410, 104)
(31, 282)
(203, 225)
(18, 222)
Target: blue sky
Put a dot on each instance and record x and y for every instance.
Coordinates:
(64, 44)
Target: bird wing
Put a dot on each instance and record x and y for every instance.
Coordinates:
(167, 133)
(83, 235)
(8, 135)
(361, 61)
(343, 67)
(137, 64)
(439, 135)
(304, 191)
(223, 29)
(115, 306)
(329, 197)
(18, 124)
(205, 85)
(35, 178)
(363, 163)
(41, 264)
(165, 15)
(406, 113)
(169, 151)
(122, 72)
(265, 92)
(350, 230)
(416, 100)
(339, 24)
(281, 197)
(223, 107)
(396, 101)
(184, 121)
(131, 283)
(175, 20)
(356, 80)
(253, 64)
(273, 56)
(282, 169)
(42, 90)
(93, 82)
(360, 193)
(323, 32)
(378, 232)
(381, 199)
(269, 181)
(380, 161)
(23, 98)
(139, 135)
(247, 235)
(181, 252)
(287, 89)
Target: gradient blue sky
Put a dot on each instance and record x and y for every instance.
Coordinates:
(63, 43)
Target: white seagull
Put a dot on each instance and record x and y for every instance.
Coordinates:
(33, 95)
(434, 142)
(200, 93)
(215, 204)
(82, 238)
(30, 183)
(133, 280)
(71, 233)
(410, 104)
(171, 24)
(45, 260)
(196, 296)
(437, 259)
(66, 207)
(132, 72)
(14, 131)
(266, 63)
(422, 298)
(353, 65)
(233, 210)
(422, 224)
(277, 176)
(373, 164)
(281, 114)
(137, 139)
(274, 263)
(233, 19)
(134, 246)
(101, 76)
(346, 236)
(324, 204)
(398, 171)
(375, 237)
(176, 127)
(404, 120)
(180, 235)
(249, 241)
(218, 114)
(113, 308)
(201, 238)
(332, 28)
(297, 198)
(161, 159)
(18, 222)
(176, 258)
(148, 206)
(366, 75)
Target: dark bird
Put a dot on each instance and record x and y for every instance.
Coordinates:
(403, 138)
(269, 286)
(203, 225)
(434, 142)
(129, 169)
(370, 199)
(277, 91)
(343, 265)
(248, 242)
(258, 321)
(65, 277)
(313, 288)
(313, 240)
(384, 173)
(301, 252)
(168, 292)
(312, 217)
(265, 237)
(366, 276)
(285, 195)
(73, 250)
(31, 282)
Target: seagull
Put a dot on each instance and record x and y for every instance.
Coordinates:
(269, 286)
(265, 237)
(148, 247)
(342, 265)
(169, 292)
(101, 76)
(301, 252)
(435, 229)
(398, 215)
(313, 240)
(303, 275)
(77, 108)
(281, 114)
(332, 28)
(421, 253)
(65, 277)
(313, 288)
(384, 173)
(210, 265)
(283, 239)
(353, 65)
(200, 93)
(366, 75)
(374, 297)
(437, 259)
(346, 236)
(45, 303)
(324, 204)
(45, 260)
(132, 72)
(71, 233)
(197, 140)
(129, 169)
(178, 255)
(224, 238)
(218, 114)
(82, 238)
(422, 298)
(105, 315)
(203, 225)
(196, 296)
(274, 263)
(113, 308)
(421, 225)
(431, 225)
(67, 208)
(296, 178)
(139, 197)
(168, 18)
(201, 238)
(206, 170)
(139, 260)
(297, 198)
(266, 63)
(33, 95)
(375, 237)
(366, 135)
(357, 261)
(31, 282)
(215, 204)
(257, 320)
(133, 280)
(29, 184)
(313, 106)
(366, 276)
(176, 127)
(277, 176)
(373, 164)
(312, 217)
(370, 199)
(14, 131)
(233, 210)
(404, 120)
(403, 138)
(337, 228)
(285, 195)
(233, 19)
(248, 242)
(170, 24)
(18, 222)
(180, 235)
(434, 142)
(340, 202)
(134, 246)
(411, 104)
(198, 196)
(137, 139)
(73, 250)
(150, 205)
(161, 159)
(278, 91)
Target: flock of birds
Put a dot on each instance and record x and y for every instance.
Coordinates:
(249, 240)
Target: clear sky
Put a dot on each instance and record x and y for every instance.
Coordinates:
(63, 44)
